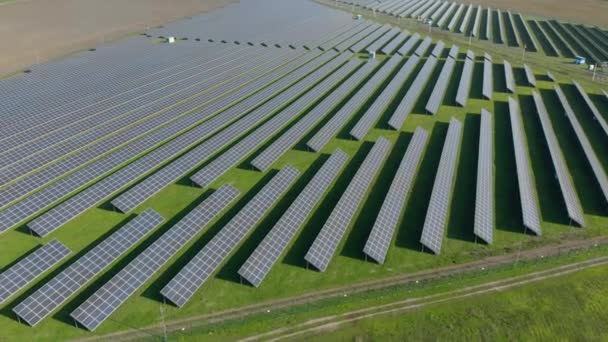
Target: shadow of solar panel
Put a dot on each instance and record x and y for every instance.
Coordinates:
(509, 78)
(437, 213)
(409, 100)
(530, 76)
(190, 278)
(409, 44)
(484, 199)
(488, 79)
(527, 193)
(323, 248)
(21, 274)
(59, 289)
(441, 86)
(259, 263)
(273, 152)
(596, 113)
(573, 204)
(97, 308)
(395, 42)
(382, 101)
(392, 208)
(594, 161)
(253, 140)
(331, 128)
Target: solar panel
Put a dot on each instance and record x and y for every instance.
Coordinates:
(454, 51)
(374, 39)
(22, 273)
(341, 37)
(410, 98)
(438, 49)
(380, 42)
(423, 47)
(530, 76)
(382, 101)
(394, 44)
(466, 20)
(484, 199)
(331, 128)
(286, 141)
(446, 15)
(323, 248)
(550, 75)
(253, 140)
(596, 113)
(501, 27)
(527, 194)
(440, 11)
(509, 78)
(573, 204)
(455, 18)
(594, 161)
(464, 87)
(409, 44)
(489, 24)
(515, 30)
(59, 289)
(441, 86)
(107, 299)
(477, 23)
(488, 80)
(392, 208)
(605, 93)
(437, 213)
(357, 37)
(259, 263)
(190, 278)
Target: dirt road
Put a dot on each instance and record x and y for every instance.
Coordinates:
(38, 30)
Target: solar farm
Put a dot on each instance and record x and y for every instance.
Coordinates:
(246, 163)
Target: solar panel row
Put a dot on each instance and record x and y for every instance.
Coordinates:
(438, 49)
(406, 48)
(501, 27)
(437, 213)
(509, 77)
(423, 47)
(594, 161)
(446, 15)
(392, 208)
(409, 100)
(454, 51)
(464, 87)
(484, 199)
(395, 43)
(436, 98)
(530, 76)
(466, 20)
(294, 134)
(489, 24)
(323, 248)
(287, 88)
(514, 29)
(455, 17)
(331, 128)
(596, 113)
(488, 79)
(97, 308)
(196, 272)
(573, 204)
(22, 273)
(383, 100)
(529, 204)
(235, 154)
(476, 25)
(58, 290)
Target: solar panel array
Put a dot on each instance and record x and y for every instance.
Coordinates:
(596, 113)
(59, 289)
(286, 141)
(393, 206)
(437, 213)
(423, 47)
(97, 308)
(406, 48)
(395, 42)
(464, 87)
(573, 204)
(383, 100)
(484, 199)
(253, 140)
(22, 273)
(196, 272)
(509, 77)
(441, 86)
(259, 263)
(530, 76)
(594, 161)
(331, 128)
(323, 248)
(409, 100)
(527, 193)
(488, 79)
(286, 88)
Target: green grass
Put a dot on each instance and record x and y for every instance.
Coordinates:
(290, 277)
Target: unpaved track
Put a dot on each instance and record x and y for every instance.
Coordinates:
(331, 323)
(376, 284)
(38, 30)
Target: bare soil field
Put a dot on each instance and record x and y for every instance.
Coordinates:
(35, 31)
(589, 12)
